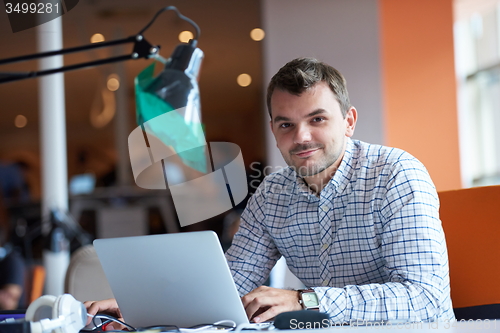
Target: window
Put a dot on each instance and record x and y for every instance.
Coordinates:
(477, 58)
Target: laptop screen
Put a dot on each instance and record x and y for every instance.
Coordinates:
(177, 279)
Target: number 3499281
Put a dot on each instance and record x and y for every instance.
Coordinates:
(32, 8)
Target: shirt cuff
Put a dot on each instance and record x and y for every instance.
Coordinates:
(332, 301)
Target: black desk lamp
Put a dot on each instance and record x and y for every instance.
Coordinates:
(179, 60)
(176, 85)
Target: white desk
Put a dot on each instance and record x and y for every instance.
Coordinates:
(436, 327)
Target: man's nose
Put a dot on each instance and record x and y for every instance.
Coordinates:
(302, 134)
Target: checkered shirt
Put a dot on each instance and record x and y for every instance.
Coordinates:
(371, 245)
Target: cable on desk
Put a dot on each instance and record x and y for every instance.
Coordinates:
(220, 322)
(109, 319)
(161, 328)
(98, 328)
(217, 325)
(256, 327)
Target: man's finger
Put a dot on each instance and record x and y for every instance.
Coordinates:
(248, 298)
(108, 306)
(258, 305)
(252, 307)
(266, 315)
(109, 327)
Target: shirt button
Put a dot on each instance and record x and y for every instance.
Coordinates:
(324, 247)
(325, 283)
(324, 208)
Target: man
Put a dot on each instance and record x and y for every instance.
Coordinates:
(357, 223)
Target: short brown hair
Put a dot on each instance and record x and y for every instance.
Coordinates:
(303, 73)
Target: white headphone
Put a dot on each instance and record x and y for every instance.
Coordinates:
(63, 314)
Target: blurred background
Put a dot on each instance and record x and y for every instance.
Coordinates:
(423, 75)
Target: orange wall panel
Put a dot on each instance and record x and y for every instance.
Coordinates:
(419, 85)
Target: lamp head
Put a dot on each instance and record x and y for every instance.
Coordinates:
(177, 84)
(168, 105)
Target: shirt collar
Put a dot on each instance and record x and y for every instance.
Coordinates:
(343, 175)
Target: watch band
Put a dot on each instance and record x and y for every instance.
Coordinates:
(310, 303)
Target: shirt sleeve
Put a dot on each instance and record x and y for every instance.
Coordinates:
(253, 253)
(414, 251)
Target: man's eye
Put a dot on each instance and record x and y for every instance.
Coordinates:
(285, 125)
(318, 119)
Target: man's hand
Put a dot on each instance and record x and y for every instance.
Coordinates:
(107, 306)
(264, 303)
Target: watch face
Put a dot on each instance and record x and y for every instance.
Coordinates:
(310, 300)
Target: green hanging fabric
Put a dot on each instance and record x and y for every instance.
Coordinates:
(185, 135)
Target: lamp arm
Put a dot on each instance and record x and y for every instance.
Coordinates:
(68, 50)
(187, 19)
(142, 49)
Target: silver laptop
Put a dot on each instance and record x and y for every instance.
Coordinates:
(177, 279)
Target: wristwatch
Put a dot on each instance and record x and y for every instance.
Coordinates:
(308, 299)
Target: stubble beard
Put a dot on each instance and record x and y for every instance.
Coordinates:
(326, 161)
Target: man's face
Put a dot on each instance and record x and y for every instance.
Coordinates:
(310, 130)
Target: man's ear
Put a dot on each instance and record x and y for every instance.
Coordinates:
(272, 131)
(350, 120)
(271, 125)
